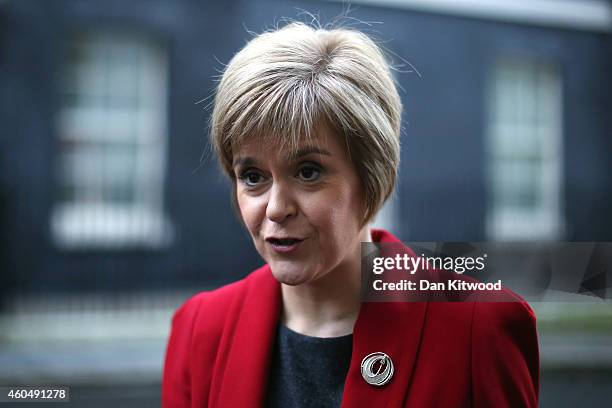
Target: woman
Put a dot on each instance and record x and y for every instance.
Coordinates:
(306, 124)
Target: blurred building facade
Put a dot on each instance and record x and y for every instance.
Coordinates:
(507, 132)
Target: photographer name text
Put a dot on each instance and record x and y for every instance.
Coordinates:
(425, 285)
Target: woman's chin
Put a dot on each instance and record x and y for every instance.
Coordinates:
(289, 276)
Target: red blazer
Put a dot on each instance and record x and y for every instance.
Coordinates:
(453, 354)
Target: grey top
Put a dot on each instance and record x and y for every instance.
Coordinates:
(308, 371)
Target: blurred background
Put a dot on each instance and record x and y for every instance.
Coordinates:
(109, 218)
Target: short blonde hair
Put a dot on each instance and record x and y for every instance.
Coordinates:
(284, 83)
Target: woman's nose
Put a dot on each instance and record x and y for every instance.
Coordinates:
(281, 204)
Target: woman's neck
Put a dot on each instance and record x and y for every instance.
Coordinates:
(329, 306)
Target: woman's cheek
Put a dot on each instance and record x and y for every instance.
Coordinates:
(249, 211)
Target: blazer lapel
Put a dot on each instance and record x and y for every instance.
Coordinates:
(394, 328)
(246, 374)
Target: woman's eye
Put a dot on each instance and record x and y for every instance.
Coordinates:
(309, 173)
(251, 178)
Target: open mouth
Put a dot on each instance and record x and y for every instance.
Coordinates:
(283, 242)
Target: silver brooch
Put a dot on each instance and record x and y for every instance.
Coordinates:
(377, 368)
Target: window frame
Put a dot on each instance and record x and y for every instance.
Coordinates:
(544, 221)
(108, 224)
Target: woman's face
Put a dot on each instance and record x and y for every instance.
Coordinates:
(303, 211)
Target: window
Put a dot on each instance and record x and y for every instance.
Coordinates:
(525, 151)
(112, 143)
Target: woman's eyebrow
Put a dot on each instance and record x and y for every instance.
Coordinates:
(309, 150)
(244, 161)
(250, 161)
